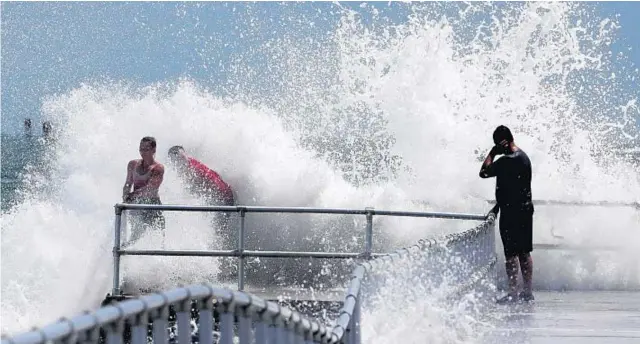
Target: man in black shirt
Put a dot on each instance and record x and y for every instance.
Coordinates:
(513, 197)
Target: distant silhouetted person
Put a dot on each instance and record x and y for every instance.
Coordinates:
(46, 129)
(27, 126)
(513, 197)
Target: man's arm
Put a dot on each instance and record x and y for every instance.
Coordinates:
(155, 180)
(488, 167)
(126, 189)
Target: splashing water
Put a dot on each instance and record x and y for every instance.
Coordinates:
(376, 114)
(249, 148)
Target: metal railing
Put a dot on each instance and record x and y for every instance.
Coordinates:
(616, 204)
(128, 321)
(249, 319)
(481, 256)
(241, 253)
(551, 202)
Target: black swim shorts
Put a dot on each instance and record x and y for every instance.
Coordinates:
(516, 229)
(151, 218)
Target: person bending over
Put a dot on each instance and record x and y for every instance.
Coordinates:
(206, 183)
(202, 180)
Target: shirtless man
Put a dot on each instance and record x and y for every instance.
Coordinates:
(145, 176)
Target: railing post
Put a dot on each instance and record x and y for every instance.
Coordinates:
(226, 325)
(241, 250)
(183, 320)
(205, 319)
(368, 235)
(116, 254)
(356, 320)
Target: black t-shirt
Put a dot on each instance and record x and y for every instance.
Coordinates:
(513, 179)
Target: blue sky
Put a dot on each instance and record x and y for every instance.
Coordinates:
(628, 12)
(48, 48)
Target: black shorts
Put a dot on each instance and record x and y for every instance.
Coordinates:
(516, 229)
(152, 218)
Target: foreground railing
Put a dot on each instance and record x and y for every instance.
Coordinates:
(128, 321)
(248, 319)
(241, 253)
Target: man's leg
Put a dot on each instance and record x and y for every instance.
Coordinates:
(511, 264)
(228, 229)
(136, 228)
(159, 223)
(526, 265)
(226, 235)
(511, 258)
(525, 246)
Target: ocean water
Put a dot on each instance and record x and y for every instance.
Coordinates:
(23, 156)
(311, 105)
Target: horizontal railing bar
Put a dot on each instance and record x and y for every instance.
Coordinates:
(247, 209)
(581, 248)
(246, 253)
(181, 253)
(558, 202)
(455, 216)
(297, 210)
(581, 203)
(277, 254)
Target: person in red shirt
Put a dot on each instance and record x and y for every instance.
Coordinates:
(202, 180)
(206, 183)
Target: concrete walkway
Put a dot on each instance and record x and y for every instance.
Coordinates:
(569, 317)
